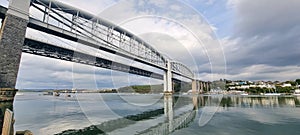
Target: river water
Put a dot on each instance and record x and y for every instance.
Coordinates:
(94, 113)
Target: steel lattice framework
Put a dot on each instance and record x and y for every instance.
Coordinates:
(181, 69)
(76, 25)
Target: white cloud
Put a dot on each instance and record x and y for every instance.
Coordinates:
(186, 26)
(232, 3)
(175, 7)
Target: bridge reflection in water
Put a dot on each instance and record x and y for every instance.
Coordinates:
(180, 112)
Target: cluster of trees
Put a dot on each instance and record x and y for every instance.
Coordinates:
(142, 89)
(182, 87)
(268, 90)
(219, 84)
(178, 87)
(258, 90)
(285, 89)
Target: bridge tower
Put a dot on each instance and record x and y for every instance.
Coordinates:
(12, 37)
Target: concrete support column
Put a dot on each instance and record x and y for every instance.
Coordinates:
(12, 37)
(169, 73)
(207, 86)
(201, 87)
(165, 81)
(168, 85)
(194, 86)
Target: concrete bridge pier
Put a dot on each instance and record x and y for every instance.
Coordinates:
(195, 87)
(204, 86)
(12, 37)
(207, 86)
(168, 85)
(201, 87)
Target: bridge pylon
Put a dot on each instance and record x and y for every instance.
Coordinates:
(12, 37)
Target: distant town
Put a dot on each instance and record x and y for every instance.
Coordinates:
(260, 87)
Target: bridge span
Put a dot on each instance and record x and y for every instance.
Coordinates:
(84, 28)
(75, 25)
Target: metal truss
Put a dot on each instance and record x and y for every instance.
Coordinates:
(181, 69)
(74, 24)
(96, 29)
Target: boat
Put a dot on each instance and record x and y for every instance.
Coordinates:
(56, 94)
(48, 93)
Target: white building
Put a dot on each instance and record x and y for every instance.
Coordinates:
(245, 86)
(286, 85)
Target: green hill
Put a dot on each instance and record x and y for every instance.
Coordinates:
(153, 88)
(142, 89)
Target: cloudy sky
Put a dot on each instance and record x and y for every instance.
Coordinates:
(232, 39)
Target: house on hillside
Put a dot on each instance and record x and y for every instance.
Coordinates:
(286, 85)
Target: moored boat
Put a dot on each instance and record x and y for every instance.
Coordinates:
(56, 94)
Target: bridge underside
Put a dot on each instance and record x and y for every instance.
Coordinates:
(47, 50)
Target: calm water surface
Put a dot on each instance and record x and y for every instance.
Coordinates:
(156, 114)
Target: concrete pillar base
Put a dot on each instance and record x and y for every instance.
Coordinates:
(201, 92)
(26, 132)
(7, 94)
(195, 93)
(168, 92)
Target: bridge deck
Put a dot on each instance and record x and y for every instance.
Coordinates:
(47, 50)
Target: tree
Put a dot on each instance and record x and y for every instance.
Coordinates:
(297, 81)
(284, 89)
(293, 83)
